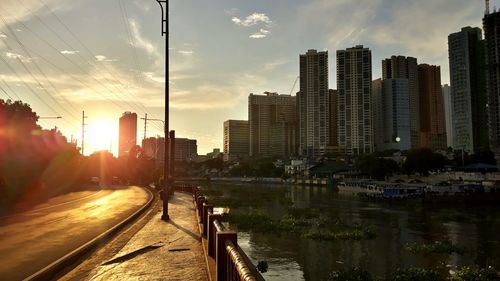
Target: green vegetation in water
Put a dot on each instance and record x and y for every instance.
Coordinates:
(301, 223)
(238, 197)
(438, 247)
(474, 273)
(467, 273)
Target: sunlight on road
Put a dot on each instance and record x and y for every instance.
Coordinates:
(34, 240)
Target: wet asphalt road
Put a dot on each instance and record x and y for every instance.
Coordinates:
(32, 240)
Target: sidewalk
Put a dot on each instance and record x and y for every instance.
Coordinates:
(161, 250)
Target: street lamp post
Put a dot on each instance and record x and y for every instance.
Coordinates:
(166, 175)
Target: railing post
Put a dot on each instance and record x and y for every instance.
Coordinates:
(207, 208)
(221, 256)
(200, 208)
(212, 233)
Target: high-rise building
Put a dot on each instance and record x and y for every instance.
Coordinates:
(150, 147)
(236, 139)
(354, 83)
(127, 133)
(396, 114)
(333, 118)
(313, 104)
(406, 67)
(491, 25)
(272, 120)
(432, 125)
(448, 120)
(378, 115)
(185, 149)
(468, 89)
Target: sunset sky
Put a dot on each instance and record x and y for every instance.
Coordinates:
(107, 56)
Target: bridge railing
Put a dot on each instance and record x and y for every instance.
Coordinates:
(231, 262)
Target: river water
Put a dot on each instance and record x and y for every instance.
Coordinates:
(475, 228)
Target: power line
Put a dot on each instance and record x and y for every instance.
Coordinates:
(126, 23)
(6, 93)
(126, 89)
(34, 63)
(10, 89)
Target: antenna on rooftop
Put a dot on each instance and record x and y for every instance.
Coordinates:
(487, 11)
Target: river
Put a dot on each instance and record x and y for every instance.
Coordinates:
(475, 228)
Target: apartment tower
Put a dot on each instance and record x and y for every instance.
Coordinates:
(398, 67)
(432, 124)
(127, 133)
(272, 122)
(313, 104)
(236, 139)
(354, 83)
(468, 90)
(491, 25)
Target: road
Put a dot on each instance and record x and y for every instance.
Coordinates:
(32, 240)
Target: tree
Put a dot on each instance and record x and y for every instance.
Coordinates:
(422, 161)
(375, 167)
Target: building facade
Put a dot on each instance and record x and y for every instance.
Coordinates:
(127, 133)
(432, 124)
(396, 112)
(491, 24)
(407, 68)
(236, 139)
(378, 115)
(334, 141)
(448, 119)
(272, 120)
(185, 149)
(354, 83)
(313, 104)
(468, 90)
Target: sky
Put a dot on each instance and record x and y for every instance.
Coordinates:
(106, 57)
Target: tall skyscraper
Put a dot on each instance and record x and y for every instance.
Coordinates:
(354, 83)
(333, 118)
(468, 89)
(236, 139)
(272, 123)
(313, 104)
(127, 133)
(378, 115)
(491, 25)
(406, 67)
(432, 125)
(396, 114)
(448, 120)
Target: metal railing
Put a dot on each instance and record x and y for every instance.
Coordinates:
(231, 262)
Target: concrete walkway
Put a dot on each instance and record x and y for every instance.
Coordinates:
(161, 250)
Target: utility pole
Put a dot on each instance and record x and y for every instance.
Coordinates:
(166, 170)
(145, 124)
(83, 131)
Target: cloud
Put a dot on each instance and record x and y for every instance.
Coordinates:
(253, 19)
(231, 11)
(140, 41)
(12, 55)
(186, 52)
(103, 58)
(261, 34)
(67, 52)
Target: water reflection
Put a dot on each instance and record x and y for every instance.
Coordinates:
(292, 257)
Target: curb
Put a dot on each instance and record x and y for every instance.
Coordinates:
(50, 271)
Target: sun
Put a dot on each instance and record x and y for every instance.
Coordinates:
(101, 135)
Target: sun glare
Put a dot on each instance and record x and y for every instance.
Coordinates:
(101, 135)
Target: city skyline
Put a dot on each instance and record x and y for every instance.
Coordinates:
(210, 80)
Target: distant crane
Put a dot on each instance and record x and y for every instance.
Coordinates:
(294, 84)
